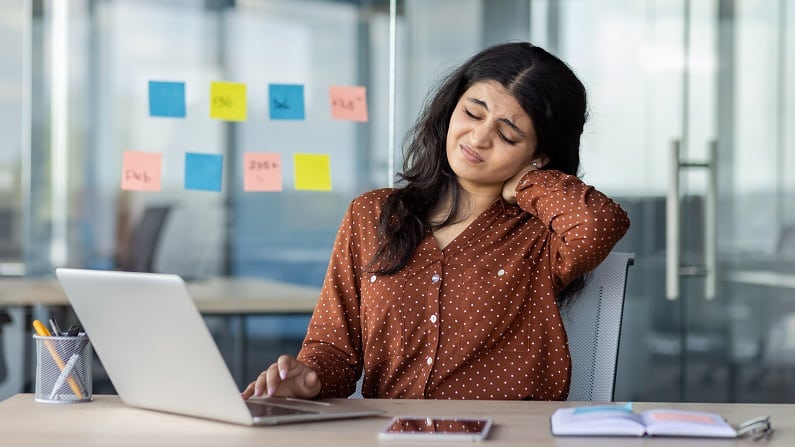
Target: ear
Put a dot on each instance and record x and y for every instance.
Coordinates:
(540, 161)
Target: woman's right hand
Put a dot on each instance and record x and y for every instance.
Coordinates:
(286, 378)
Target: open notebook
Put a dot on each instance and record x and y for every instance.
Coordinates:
(160, 355)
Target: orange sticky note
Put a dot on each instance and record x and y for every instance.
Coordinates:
(228, 101)
(349, 103)
(141, 171)
(262, 172)
(312, 172)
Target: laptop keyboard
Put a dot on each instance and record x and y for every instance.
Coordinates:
(261, 409)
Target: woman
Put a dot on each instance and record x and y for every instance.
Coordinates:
(449, 286)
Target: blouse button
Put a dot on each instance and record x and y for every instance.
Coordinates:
(372, 278)
(435, 278)
(429, 360)
(500, 272)
(433, 318)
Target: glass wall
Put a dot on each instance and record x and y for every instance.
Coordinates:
(709, 77)
(14, 130)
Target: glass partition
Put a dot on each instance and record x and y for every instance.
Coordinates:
(74, 99)
(14, 130)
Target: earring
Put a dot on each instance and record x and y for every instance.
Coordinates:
(534, 164)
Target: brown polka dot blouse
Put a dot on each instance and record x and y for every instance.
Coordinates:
(477, 320)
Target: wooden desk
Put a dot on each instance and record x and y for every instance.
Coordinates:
(236, 296)
(107, 421)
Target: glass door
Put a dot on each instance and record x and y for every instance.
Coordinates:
(690, 103)
(755, 220)
(726, 270)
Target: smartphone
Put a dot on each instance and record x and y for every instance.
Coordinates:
(402, 428)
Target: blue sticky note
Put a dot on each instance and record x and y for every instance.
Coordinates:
(286, 101)
(203, 171)
(167, 99)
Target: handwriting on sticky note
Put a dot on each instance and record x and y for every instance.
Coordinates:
(312, 172)
(349, 103)
(228, 101)
(141, 171)
(286, 101)
(262, 172)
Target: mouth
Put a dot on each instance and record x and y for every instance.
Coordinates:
(470, 155)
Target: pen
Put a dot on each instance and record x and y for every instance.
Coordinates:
(56, 330)
(68, 370)
(42, 331)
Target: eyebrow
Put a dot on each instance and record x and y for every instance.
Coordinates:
(504, 120)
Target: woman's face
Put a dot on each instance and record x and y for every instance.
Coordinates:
(490, 137)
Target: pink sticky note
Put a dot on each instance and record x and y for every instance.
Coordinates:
(141, 171)
(349, 103)
(262, 172)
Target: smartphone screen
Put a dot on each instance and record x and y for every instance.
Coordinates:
(406, 428)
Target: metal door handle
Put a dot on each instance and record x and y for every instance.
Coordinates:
(711, 224)
(672, 233)
(673, 269)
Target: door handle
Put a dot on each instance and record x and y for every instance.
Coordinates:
(711, 224)
(673, 267)
(672, 233)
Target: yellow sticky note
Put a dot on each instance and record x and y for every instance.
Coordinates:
(141, 171)
(312, 172)
(228, 101)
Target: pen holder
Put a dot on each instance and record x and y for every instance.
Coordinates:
(63, 369)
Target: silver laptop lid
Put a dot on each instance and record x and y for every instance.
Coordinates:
(153, 343)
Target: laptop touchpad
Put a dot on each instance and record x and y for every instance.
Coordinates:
(264, 409)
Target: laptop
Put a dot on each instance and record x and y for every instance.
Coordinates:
(159, 354)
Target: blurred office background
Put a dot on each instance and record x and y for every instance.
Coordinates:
(710, 311)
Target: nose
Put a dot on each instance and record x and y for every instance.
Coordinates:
(480, 135)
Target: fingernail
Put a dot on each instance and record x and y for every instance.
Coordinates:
(283, 373)
(271, 390)
(258, 391)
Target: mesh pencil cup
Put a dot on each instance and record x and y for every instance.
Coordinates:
(63, 369)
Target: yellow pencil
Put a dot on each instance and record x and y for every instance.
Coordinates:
(42, 331)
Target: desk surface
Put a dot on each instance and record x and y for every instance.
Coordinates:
(212, 296)
(106, 421)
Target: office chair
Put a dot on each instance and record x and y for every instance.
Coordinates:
(144, 240)
(593, 327)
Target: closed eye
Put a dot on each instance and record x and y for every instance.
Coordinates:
(502, 135)
(470, 114)
(506, 139)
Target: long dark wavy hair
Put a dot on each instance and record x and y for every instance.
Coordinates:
(547, 90)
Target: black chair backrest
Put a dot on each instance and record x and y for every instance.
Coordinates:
(144, 240)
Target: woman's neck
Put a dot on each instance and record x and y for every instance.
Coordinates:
(470, 206)
(471, 203)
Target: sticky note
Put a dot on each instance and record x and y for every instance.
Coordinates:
(349, 103)
(312, 172)
(228, 101)
(167, 99)
(141, 171)
(203, 171)
(286, 101)
(262, 172)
